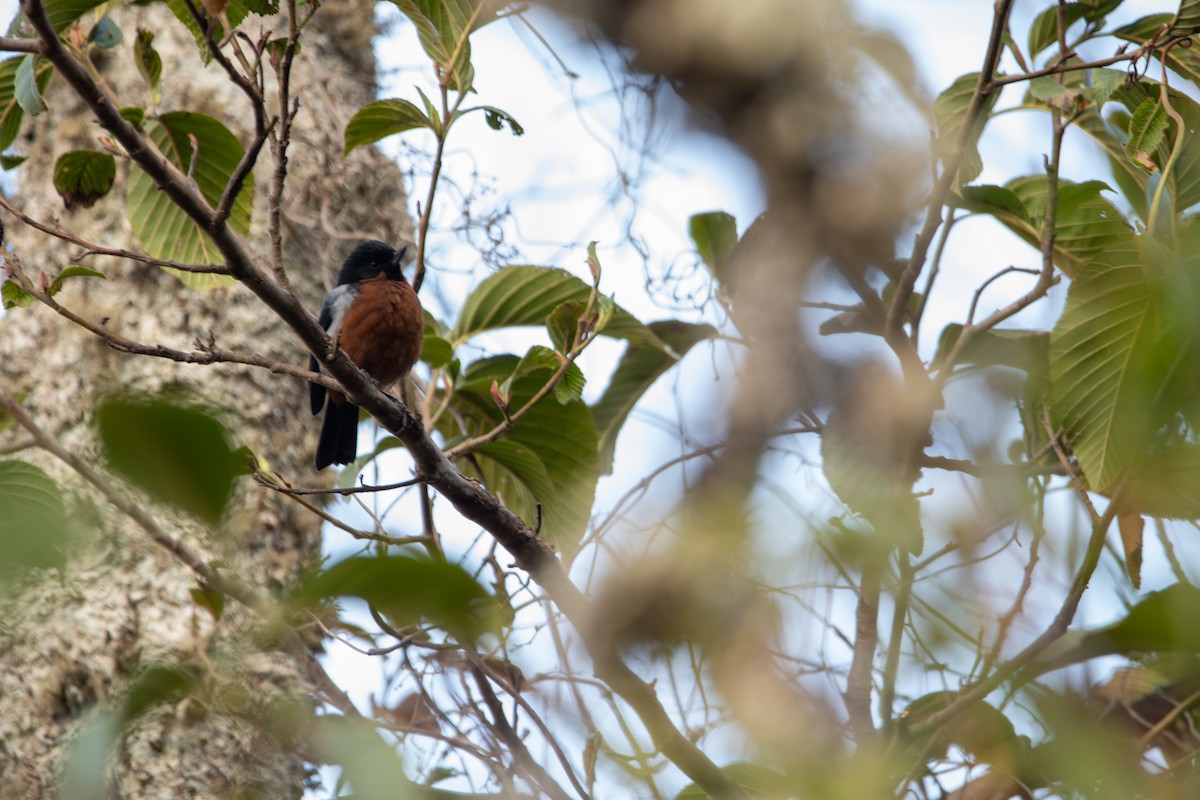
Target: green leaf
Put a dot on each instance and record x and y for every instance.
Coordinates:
(408, 590)
(8, 162)
(149, 64)
(714, 233)
(61, 13)
(758, 781)
(235, 12)
(370, 765)
(381, 119)
(950, 110)
(211, 600)
(436, 351)
(1106, 366)
(1044, 30)
(563, 324)
(134, 115)
(1183, 60)
(73, 271)
(81, 177)
(162, 227)
(1187, 19)
(105, 34)
(1026, 350)
(1086, 224)
(10, 110)
(525, 295)
(1162, 621)
(638, 369)
(28, 90)
(1146, 132)
(264, 8)
(14, 296)
(444, 27)
(33, 520)
(177, 454)
(562, 437)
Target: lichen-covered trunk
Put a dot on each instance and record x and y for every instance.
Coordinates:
(71, 642)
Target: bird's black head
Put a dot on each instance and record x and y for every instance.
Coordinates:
(371, 258)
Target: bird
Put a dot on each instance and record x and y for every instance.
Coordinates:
(374, 315)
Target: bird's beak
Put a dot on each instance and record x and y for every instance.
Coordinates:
(398, 259)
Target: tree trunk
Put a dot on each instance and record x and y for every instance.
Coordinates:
(71, 643)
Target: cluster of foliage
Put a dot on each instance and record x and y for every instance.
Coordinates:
(1106, 401)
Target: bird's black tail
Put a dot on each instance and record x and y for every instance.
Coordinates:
(339, 435)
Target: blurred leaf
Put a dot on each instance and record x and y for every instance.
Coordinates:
(714, 234)
(162, 227)
(1130, 524)
(1146, 132)
(864, 456)
(1106, 365)
(1026, 350)
(14, 296)
(1044, 30)
(757, 779)
(562, 437)
(1187, 19)
(638, 369)
(105, 34)
(436, 351)
(90, 751)
(28, 87)
(81, 177)
(1163, 621)
(177, 454)
(134, 115)
(525, 295)
(407, 590)
(8, 162)
(33, 520)
(62, 13)
(73, 271)
(210, 599)
(994, 200)
(980, 729)
(149, 64)
(370, 764)
(383, 118)
(950, 110)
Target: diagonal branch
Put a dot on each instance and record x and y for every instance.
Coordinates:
(531, 554)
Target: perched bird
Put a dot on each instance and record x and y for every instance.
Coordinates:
(374, 315)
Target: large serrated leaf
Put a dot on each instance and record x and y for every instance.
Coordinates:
(526, 295)
(33, 522)
(177, 454)
(638, 369)
(562, 437)
(950, 109)
(444, 28)
(162, 227)
(381, 119)
(1106, 365)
